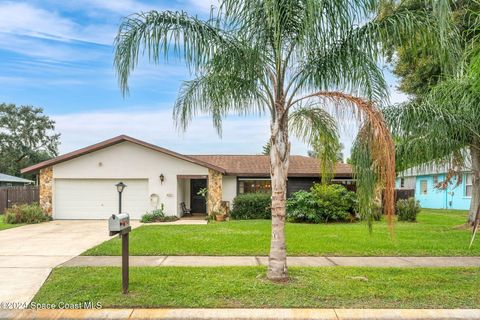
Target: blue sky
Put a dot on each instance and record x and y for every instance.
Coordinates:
(58, 55)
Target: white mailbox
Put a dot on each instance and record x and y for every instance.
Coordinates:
(119, 223)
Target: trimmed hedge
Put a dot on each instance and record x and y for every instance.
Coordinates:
(251, 206)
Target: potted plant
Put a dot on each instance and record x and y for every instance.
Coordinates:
(218, 216)
(215, 214)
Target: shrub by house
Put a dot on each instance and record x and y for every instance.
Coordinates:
(157, 215)
(323, 203)
(251, 206)
(25, 213)
(407, 209)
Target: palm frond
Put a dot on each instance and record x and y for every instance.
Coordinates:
(163, 34)
(365, 169)
(344, 67)
(216, 95)
(378, 169)
(318, 128)
(231, 82)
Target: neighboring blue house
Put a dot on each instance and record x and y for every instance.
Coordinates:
(425, 181)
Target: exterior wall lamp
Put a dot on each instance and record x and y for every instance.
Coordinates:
(162, 178)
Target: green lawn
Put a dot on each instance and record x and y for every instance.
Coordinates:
(437, 233)
(217, 287)
(4, 225)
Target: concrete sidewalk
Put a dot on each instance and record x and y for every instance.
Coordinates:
(244, 314)
(210, 261)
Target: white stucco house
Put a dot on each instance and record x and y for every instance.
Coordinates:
(81, 184)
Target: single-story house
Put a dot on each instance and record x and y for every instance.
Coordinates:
(12, 181)
(81, 184)
(425, 182)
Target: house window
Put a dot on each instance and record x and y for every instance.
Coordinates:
(435, 180)
(254, 185)
(402, 182)
(423, 187)
(468, 185)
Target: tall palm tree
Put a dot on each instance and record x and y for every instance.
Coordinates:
(444, 128)
(294, 60)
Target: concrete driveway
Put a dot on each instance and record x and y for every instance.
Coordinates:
(28, 253)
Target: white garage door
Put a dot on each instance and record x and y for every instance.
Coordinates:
(98, 198)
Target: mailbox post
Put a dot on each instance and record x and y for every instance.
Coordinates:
(125, 262)
(120, 224)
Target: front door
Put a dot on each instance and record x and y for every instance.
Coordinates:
(197, 202)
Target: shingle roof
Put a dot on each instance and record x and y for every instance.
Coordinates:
(259, 165)
(7, 178)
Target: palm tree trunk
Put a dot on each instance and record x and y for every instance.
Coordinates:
(279, 157)
(475, 155)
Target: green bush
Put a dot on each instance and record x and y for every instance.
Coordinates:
(377, 211)
(323, 203)
(407, 209)
(302, 207)
(25, 213)
(157, 215)
(251, 206)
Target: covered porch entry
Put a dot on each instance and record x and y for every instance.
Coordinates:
(189, 187)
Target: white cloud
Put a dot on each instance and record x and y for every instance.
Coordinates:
(53, 52)
(22, 18)
(240, 135)
(17, 18)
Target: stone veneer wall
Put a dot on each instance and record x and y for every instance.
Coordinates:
(214, 199)
(46, 190)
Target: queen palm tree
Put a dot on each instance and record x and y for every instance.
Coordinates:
(302, 62)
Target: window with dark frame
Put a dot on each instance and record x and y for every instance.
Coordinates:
(254, 186)
(402, 182)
